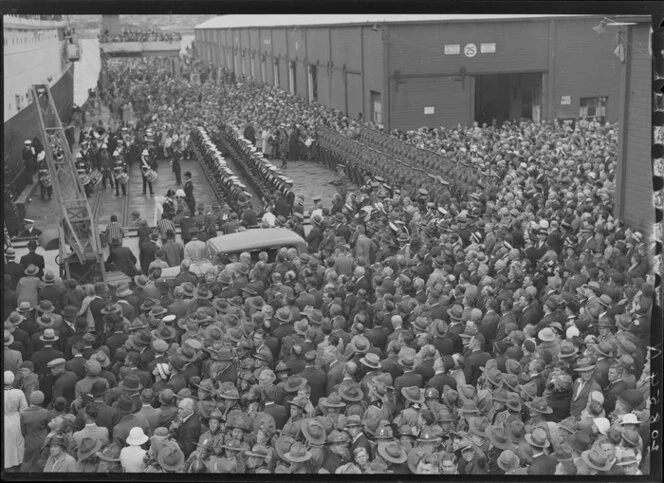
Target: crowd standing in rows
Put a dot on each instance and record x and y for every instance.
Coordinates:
(139, 35)
(504, 331)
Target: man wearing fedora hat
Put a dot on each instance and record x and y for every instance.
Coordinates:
(47, 353)
(60, 383)
(583, 386)
(542, 463)
(27, 289)
(91, 429)
(409, 377)
(52, 292)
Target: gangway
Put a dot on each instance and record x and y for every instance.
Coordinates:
(81, 256)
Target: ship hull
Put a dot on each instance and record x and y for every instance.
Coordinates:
(24, 125)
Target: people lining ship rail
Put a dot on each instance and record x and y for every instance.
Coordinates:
(502, 331)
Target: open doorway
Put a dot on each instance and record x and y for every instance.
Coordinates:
(503, 97)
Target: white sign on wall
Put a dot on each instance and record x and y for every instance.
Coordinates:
(429, 110)
(488, 48)
(452, 49)
(566, 100)
(470, 50)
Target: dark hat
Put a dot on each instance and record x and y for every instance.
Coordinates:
(294, 383)
(130, 384)
(406, 361)
(125, 404)
(539, 405)
(351, 393)
(412, 394)
(99, 389)
(580, 441)
(313, 431)
(632, 398)
(87, 448)
(171, 458)
(46, 306)
(165, 333)
(110, 453)
(499, 437)
(456, 312)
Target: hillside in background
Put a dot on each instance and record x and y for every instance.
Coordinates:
(88, 25)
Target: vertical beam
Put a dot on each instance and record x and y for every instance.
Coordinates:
(550, 112)
(288, 62)
(624, 108)
(330, 72)
(364, 100)
(387, 114)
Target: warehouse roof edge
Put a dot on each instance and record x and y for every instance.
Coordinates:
(283, 20)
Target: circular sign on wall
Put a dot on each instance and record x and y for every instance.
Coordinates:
(470, 50)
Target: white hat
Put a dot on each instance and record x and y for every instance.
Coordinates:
(136, 437)
(572, 331)
(180, 193)
(602, 424)
(28, 221)
(544, 225)
(9, 378)
(629, 418)
(597, 396)
(27, 141)
(145, 153)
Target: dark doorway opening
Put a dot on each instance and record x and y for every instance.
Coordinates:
(503, 97)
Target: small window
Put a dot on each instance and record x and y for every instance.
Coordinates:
(18, 102)
(594, 107)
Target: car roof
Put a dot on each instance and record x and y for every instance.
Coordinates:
(250, 240)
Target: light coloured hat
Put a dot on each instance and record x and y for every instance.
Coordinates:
(136, 437)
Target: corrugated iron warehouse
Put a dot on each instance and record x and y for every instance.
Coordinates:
(407, 71)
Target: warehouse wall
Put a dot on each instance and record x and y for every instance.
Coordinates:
(373, 58)
(634, 202)
(349, 60)
(450, 100)
(584, 65)
(427, 77)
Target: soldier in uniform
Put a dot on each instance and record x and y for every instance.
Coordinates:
(83, 169)
(29, 159)
(120, 173)
(45, 182)
(104, 165)
(147, 165)
(189, 193)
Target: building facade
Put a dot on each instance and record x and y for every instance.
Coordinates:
(407, 71)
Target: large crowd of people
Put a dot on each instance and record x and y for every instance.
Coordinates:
(498, 329)
(139, 35)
